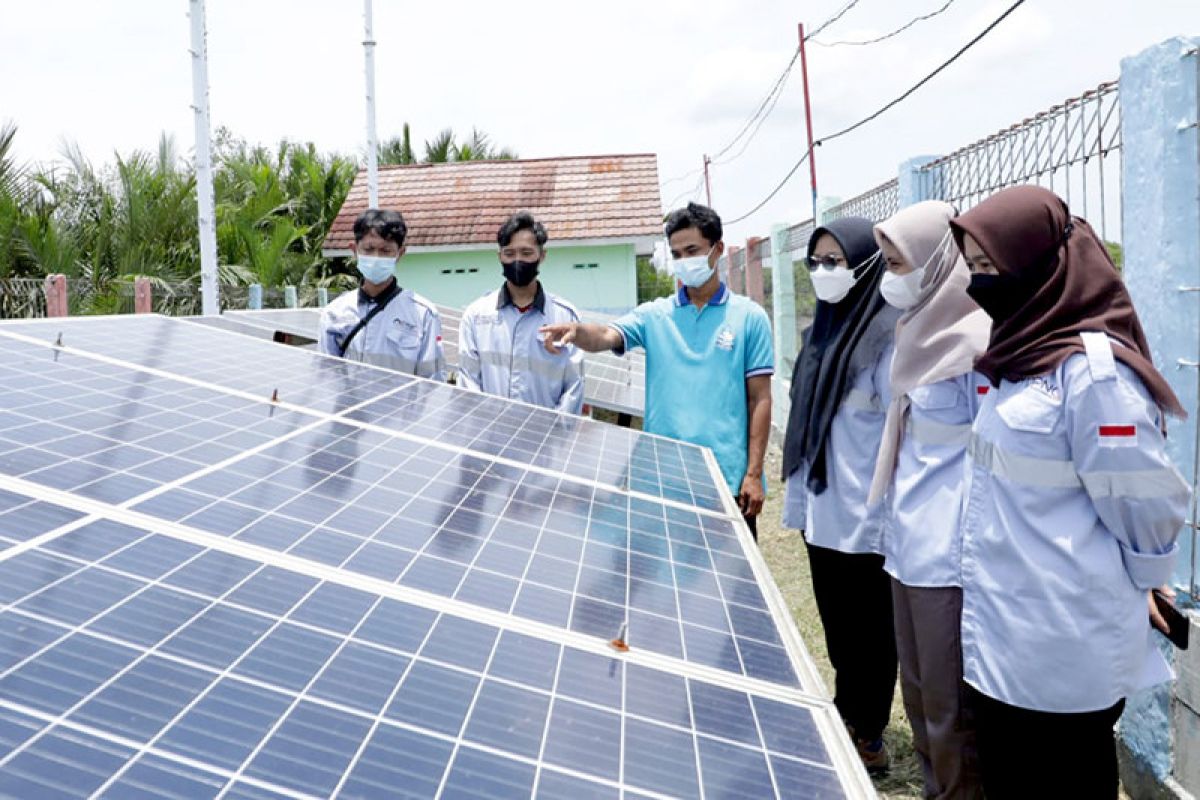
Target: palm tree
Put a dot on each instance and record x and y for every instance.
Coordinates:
(442, 149)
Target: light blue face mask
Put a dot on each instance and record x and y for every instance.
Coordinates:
(694, 272)
(376, 269)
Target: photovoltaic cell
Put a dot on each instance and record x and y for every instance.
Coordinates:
(308, 686)
(610, 382)
(491, 426)
(378, 588)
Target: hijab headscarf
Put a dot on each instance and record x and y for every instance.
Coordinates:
(1061, 283)
(845, 338)
(938, 338)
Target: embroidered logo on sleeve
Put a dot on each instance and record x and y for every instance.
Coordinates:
(1118, 435)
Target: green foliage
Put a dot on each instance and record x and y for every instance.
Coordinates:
(1117, 253)
(651, 283)
(136, 217)
(442, 149)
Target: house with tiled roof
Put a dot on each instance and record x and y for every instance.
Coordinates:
(601, 213)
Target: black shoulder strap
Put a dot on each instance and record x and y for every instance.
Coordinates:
(380, 303)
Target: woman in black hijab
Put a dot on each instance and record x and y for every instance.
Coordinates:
(839, 400)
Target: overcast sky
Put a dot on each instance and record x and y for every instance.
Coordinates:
(557, 77)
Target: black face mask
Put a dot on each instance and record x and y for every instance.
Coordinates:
(521, 273)
(998, 295)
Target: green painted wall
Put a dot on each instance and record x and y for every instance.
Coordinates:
(610, 286)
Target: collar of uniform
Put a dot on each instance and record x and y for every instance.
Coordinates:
(720, 297)
(505, 299)
(363, 297)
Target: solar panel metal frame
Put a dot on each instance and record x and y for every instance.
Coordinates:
(841, 754)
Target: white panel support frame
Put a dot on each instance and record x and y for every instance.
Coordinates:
(210, 297)
(372, 140)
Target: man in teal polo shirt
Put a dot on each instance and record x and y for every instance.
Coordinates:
(709, 358)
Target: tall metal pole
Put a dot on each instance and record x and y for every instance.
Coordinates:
(812, 155)
(707, 184)
(372, 141)
(210, 299)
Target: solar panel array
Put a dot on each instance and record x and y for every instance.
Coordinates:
(232, 569)
(611, 382)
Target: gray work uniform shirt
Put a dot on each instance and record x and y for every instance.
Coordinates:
(501, 351)
(406, 336)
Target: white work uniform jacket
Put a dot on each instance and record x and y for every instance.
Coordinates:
(923, 537)
(839, 518)
(500, 351)
(406, 336)
(1071, 515)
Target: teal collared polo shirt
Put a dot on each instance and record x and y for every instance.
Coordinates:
(697, 363)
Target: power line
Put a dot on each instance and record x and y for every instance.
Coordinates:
(690, 193)
(838, 15)
(769, 102)
(778, 93)
(885, 108)
(774, 191)
(775, 90)
(887, 36)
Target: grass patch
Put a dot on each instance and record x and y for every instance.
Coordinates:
(785, 555)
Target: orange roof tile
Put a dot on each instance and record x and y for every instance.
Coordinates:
(584, 197)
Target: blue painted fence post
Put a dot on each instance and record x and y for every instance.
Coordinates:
(917, 183)
(1160, 210)
(254, 298)
(783, 299)
(289, 297)
(322, 297)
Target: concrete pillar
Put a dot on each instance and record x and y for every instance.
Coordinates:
(1160, 210)
(737, 274)
(55, 288)
(917, 184)
(322, 297)
(289, 297)
(754, 276)
(824, 204)
(783, 298)
(143, 298)
(254, 297)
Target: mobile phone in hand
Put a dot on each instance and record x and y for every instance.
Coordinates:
(1177, 621)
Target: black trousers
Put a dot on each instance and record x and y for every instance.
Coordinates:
(752, 523)
(854, 599)
(1035, 754)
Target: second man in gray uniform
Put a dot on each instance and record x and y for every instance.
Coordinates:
(500, 349)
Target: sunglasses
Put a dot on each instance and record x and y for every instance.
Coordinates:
(829, 262)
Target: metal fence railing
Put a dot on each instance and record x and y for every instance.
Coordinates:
(26, 297)
(877, 204)
(1072, 149)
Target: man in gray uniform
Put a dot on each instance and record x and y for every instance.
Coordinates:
(379, 322)
(500, 350)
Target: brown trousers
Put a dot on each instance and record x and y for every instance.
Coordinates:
(929, 645)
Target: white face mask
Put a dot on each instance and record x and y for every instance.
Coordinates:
(693, 272)
(902, 291)
(832, 285)
(376, 269)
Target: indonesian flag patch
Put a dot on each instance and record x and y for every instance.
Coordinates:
(982, 390)
(1117, 435)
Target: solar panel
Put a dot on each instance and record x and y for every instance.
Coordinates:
(310, 600)
(611, 382)
(304, 322)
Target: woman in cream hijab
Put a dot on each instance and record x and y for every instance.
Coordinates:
(922, 461)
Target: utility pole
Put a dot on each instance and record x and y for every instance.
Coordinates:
(812, 154)
(707, 183)
(210, 298)
(372, 141)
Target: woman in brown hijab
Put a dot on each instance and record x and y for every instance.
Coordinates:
(1072, 508)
